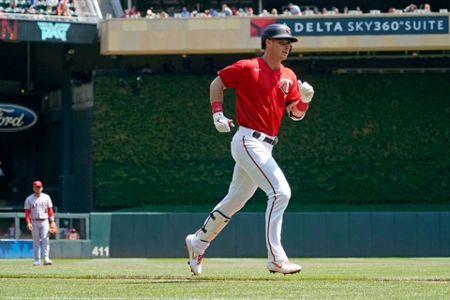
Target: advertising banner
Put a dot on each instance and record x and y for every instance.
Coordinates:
(47, 31)
(351, 26)
(15, 117)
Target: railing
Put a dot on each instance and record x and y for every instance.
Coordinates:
(31, 17)
(71, 226)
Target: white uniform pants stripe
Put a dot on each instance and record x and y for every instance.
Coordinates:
(255, 167)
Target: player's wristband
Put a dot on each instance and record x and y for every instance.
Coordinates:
(216, 106)
(301, 106)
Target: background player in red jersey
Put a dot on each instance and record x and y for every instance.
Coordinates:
(264, 90)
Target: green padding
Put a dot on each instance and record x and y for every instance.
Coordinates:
(100, 234)
(70, 249)
(367, 139)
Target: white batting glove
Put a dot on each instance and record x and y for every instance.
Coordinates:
(306, 90)
(222, 123)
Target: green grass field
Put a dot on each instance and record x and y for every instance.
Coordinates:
(337, 278)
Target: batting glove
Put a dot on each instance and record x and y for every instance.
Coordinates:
(306, 90)
(222, 123)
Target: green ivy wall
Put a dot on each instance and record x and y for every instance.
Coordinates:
(367, 139)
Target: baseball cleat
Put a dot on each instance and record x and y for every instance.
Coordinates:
(48, 262)
(37, 263)
(195, 259)
(285, 267)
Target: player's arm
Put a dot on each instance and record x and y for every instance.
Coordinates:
(28, 219)
(221, 122)
(297, 109)
(51, 215)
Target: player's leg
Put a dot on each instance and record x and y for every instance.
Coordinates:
(256, 159)
(46, 242)
(240, 191)
(35, 233)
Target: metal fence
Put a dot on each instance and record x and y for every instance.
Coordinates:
(71, 226)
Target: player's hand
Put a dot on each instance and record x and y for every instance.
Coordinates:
(294, 113)
(222, 123)
(30, 226)
(306, 90)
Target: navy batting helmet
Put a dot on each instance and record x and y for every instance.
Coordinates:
(276, 31)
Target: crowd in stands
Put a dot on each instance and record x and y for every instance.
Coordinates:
(63, 8)
(289, 10)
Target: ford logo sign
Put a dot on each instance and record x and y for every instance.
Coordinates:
(15, 118)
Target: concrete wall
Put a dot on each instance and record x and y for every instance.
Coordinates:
(386, 32)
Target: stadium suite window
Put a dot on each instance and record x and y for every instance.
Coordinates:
(7, 228)
(72, 229)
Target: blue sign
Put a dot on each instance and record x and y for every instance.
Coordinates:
(15, 117)
(16, 249)
(53, 30)
(348, 26)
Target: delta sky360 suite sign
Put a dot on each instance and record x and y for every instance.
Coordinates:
(347, 26)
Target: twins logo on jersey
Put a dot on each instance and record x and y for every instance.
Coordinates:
(285, 85)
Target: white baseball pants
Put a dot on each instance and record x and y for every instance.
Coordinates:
(40, 232)
(255, 167)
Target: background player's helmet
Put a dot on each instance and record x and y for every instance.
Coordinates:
(276, 31)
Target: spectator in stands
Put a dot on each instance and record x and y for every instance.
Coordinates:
(206, 13)
(226, 10)
(185, 13)
(73, 234)
(427, 8)
(194, 14)
(12, 231)
(410, 8)
(163, 15)
(334, 10)
(12, 4)
(234, 11)
(249, 11)
(264, 13)
(49, 10)
(240, 12)
(63, 9)
(294, 9)
(132, 13)
(150, 14)
(274, 12)
(213, 12)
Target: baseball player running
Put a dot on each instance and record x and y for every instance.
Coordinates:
(38, 212)
(264, 90)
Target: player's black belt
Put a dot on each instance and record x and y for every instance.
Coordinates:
(40, 219)
(268, 140)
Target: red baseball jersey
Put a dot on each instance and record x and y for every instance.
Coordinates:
(261, 93)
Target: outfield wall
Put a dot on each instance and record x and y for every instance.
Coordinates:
(321, 234)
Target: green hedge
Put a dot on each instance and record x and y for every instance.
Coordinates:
(367, 139)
